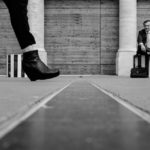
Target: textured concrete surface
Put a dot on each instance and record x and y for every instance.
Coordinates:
(81, 117)
(134, 91)
(20, 94)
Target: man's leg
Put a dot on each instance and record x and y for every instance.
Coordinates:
(32, 64)
(19, 21)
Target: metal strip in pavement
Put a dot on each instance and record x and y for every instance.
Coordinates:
(145, 116)
(15, 121)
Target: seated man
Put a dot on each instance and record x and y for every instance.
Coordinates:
(144, 39)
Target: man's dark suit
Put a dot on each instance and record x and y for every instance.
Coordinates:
(19, 21)
(142, 37)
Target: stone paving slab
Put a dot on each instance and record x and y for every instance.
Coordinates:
(81, 117)
(135, 91)
(19, 94)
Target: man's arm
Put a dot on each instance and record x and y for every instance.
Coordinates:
(140, 41)
(140, 38)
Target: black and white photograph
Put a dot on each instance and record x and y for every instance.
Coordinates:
(74, 75)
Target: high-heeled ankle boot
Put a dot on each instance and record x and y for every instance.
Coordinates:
(35, 68)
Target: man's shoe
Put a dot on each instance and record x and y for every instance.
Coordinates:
(35, 68)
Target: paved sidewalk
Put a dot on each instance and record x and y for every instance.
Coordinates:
(17, 95)
(135, 91)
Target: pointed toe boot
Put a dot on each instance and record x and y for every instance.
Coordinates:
(35, 68)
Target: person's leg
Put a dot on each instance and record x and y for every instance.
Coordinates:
(19, 21)
(32, 64)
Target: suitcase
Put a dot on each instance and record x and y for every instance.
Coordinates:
(139, 72)
(140, 66)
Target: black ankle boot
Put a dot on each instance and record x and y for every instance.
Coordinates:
(35, 68)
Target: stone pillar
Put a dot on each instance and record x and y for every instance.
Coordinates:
(36, 22)
(127, 36)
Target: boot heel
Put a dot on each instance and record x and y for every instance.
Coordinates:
(31, 76)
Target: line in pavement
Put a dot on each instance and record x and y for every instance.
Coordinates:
(10, 124)
(145, 116)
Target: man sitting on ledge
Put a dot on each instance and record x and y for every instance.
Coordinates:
(144, 39)
(141, 64)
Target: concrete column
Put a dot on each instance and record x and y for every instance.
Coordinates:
(127, 36)
(36, 22)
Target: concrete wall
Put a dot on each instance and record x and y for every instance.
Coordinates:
(8, 42)
(143, 10)
(109, 40)
(82, 36)
(72, 31)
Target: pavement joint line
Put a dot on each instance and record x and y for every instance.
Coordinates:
(142, 114)
(8, 126)
(47, 107)
(67, 75)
